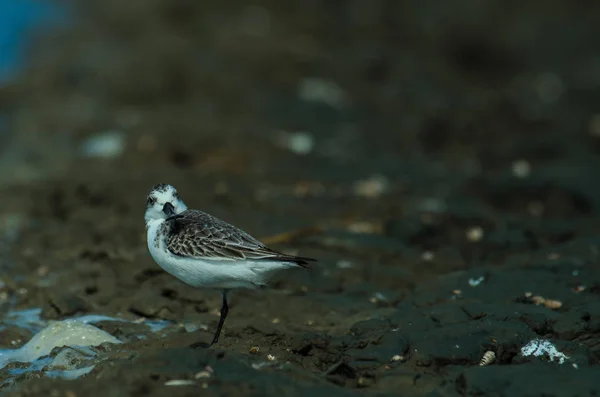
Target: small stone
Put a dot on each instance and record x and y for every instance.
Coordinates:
(180, 382)
(553, 304)
(344, 264)
(323, 91)
(202, 374)
(427, 256)
(300, 143)
(474, 234)
(372, 187)
(363, 381)
(108, 144)
(43, 271)
(579, 288)
(521, 168)
(254, 350)
(538, 300)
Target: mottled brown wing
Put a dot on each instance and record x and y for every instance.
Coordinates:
(197, 234)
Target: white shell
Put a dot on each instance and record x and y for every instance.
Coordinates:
(488, 358)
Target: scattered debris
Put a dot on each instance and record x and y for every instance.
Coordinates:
(474, 282)
(271, 357)
(344, 264)
(43, 271)
(553, 304)
(191, 326)
(427, 256)
(180, 382)
(474, 234)
(206, 373)
(488, 358)
(521, 168)
(57, 334)
(202, 374)
(540, 300)
(321, 91)
(261, 365)
(543, 347)
(254, 350)
(300, 143)
(372, 187)
(106, 145)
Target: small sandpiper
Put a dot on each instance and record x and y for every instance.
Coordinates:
(206, 252)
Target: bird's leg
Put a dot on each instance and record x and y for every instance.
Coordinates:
(224, 310)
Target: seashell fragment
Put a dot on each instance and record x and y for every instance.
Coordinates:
(488, 358)
(552, 304)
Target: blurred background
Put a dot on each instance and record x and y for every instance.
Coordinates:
(397, 141)
(343, 89)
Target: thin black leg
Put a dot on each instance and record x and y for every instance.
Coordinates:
(224, 311)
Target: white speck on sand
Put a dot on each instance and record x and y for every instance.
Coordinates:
(541, 347)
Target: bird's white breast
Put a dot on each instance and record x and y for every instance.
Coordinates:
(209, 273)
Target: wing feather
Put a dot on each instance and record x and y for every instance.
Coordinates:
(196, 234)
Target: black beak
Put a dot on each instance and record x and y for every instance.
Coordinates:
(168, 209)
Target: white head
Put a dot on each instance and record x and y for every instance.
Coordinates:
(162, 202)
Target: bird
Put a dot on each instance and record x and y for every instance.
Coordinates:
(204, 251)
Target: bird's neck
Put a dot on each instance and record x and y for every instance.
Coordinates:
(153, 222)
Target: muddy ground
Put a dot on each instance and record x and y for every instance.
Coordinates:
(440, 160)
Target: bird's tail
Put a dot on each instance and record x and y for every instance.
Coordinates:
(301, 261)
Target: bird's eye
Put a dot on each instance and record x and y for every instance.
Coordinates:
(151, 200)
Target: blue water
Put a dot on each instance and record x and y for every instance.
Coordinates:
(17, 19)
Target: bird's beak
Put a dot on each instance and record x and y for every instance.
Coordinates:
(168, 209)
